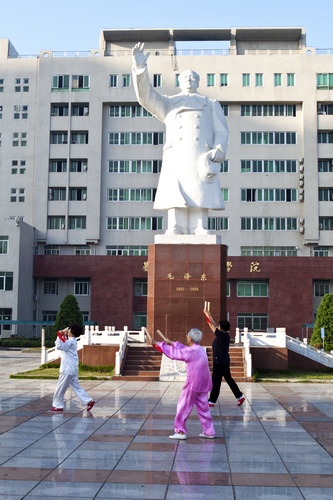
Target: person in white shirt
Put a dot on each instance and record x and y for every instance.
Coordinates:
(68, 376)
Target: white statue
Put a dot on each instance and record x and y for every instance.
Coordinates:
(196, 142)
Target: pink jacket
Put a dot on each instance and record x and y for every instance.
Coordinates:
(198, 377)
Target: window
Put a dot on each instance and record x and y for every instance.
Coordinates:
(81, 109)
(277, 79)
(269, 251)
(246, 79)
(51, 250)
(60, 83)
(21, 84)
(127, 80)
(140, 250)
(3, 245)
(79, 165)
(140, 288)
(269, 166)
(81, 287)
(127, 194)
(57, 194)
(224, 80)
(113, 80)
(80, 82)
(128, 111)
(59, 109)
(265, 138)
(134, 223)
(56, 222)
(268, 110)
(139, 320)
(50, 286)
(210, 80)
(218, 223)
(325, 137)
(2, 82)
(79, 137)
(19, 139)
(325, 165)
(325, 194)
(49, 316)
(321, 252)
(290, 79)
(5, 315)
(321, 288)
(78, 194)
(254, 321)
(17, 194)
(134, 166)
(269, 195)
(157, 80)
(259, 79)
(59, 138)
(136, 138)
(20, 112)
(58, 166)
(6, 281)
(82, 250)
(77, 222)
(252, 289)
(21, 164)
(1, 110)
(326, 223)
(268, 224)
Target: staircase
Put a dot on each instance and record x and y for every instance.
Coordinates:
(141, 363)
(236, 363)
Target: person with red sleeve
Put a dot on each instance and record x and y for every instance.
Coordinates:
(221, 360)
(198, 382)
(68, 376)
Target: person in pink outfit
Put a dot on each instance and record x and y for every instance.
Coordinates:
(198, 382)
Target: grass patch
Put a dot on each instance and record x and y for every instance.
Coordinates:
(293, 375)
(51, 371)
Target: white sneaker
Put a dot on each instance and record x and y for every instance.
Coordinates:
(177, 435)
(203, 435)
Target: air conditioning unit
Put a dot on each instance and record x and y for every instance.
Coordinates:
(301, 183)
(301, 229)
(301, 221)
(63, 226)
(301, 168)
(84, 196)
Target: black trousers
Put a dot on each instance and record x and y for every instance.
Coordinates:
(220, 371)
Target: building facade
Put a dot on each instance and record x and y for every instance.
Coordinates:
(80, 162)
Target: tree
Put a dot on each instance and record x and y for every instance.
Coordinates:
(324, 319)
(69, 313)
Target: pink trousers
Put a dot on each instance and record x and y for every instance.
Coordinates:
(185, 404)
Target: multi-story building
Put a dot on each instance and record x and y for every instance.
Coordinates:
(80, 162)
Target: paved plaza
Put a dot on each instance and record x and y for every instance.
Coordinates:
(278, 445)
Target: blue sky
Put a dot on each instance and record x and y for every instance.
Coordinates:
(59, 25)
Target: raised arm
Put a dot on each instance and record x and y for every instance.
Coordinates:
(210, 320)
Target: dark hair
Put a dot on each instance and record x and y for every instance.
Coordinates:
(224, 325)
(76, 329)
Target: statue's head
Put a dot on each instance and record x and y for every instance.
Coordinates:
(189, 80)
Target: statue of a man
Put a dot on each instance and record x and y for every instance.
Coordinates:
(196, 142)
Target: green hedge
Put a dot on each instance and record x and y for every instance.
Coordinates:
(25, 343)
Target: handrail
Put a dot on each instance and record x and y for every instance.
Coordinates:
(93, 335)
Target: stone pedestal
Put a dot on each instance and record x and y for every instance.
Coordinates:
(181, 277)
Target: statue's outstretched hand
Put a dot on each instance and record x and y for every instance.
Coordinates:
(139, 57)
